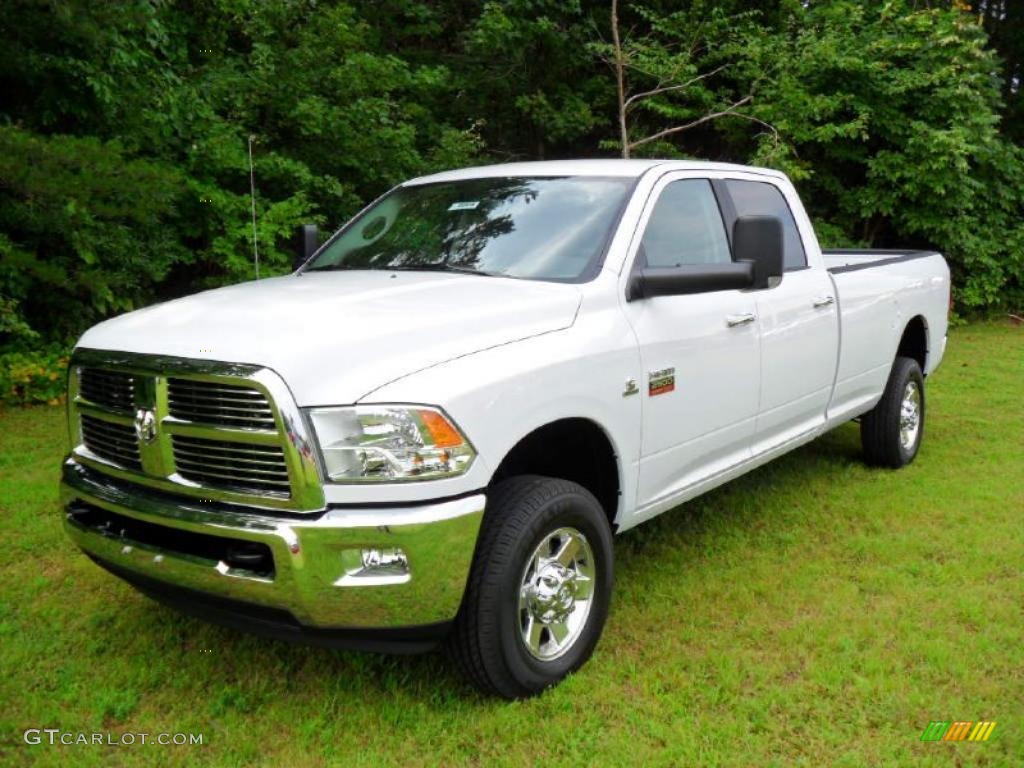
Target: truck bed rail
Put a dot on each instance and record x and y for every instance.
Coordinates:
(866, 258)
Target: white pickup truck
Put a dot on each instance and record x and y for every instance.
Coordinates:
(431, 429)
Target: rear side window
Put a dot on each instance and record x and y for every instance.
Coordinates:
(685, 227)
(757, 198)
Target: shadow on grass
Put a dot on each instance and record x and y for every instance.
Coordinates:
(285, 669)
(750, 500)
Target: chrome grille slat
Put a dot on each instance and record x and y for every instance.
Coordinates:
(110, 389)
(106, 398)
(243, 474)
(226, 464)
(207, 446)
(196, 456)
(219, 404)
(218, 397)
(113, 376)
(234, 473)
(237, 483)
(123, 457)
(271, 463)
(227, 420)
(115, 432)
(118, 438)
(107, 378)
(114, 448)
(113, 442)
(203, 387)
(119, 455)
(206, 386)
(201, 445)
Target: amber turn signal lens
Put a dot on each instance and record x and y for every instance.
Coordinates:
(441, 431)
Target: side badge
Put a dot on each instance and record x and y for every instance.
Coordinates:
(631, 388)
(661, 382)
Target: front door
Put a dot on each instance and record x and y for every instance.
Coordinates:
(700, 352)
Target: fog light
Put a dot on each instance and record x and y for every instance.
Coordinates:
(373, 567)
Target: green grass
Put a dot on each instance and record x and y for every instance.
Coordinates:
(815, 612)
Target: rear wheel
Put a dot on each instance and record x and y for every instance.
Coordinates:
(539, 588)
(891, 432)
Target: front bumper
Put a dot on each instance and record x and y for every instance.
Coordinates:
(169, 545)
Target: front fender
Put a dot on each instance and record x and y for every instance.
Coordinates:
(501, 395)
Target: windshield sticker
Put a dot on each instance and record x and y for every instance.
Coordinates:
(374, 228)
(469, 205)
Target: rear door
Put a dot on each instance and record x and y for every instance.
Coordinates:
(799, 325)
(700, 352)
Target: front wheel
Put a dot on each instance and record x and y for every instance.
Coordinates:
(539, 588)
(891, 432)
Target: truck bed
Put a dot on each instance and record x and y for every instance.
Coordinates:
(879, 292)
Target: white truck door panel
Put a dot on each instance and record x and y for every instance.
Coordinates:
(705, 424)
(708, 343)
(799, 347)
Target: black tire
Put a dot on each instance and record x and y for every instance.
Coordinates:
(487, 641)
(881, 433)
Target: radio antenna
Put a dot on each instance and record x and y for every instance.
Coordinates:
(252, 196)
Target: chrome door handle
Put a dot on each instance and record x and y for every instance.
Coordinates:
(823, 301)
(733, 320)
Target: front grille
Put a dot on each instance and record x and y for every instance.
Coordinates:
(114, 442)
(233, 466)
(208, 430)
(220, 404)
(112, 390)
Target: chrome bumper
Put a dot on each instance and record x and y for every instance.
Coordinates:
(316, 577)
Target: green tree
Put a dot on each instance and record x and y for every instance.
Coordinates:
(86, 231)
(125, 125)
(889, 117)
(527, 78)
(675, 78)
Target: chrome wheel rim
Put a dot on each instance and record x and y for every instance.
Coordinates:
(910, 415)
(555, 593)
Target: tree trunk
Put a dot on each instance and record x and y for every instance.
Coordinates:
(620, 80)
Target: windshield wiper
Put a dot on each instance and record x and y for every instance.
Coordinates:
(440, 267)
(435, 267)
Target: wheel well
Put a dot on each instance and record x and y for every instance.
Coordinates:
(914, 342)
(571, 449)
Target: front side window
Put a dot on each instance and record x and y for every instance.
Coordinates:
(685, 227)
(537, 228)
(758, 198)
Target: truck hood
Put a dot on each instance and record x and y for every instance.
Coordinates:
(336, 336)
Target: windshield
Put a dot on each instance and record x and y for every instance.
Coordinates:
(539, 228)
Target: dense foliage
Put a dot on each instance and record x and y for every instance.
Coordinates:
(126, 126)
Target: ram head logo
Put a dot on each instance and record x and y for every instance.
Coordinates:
(145, 425)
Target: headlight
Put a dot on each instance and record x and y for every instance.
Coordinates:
(389, 443)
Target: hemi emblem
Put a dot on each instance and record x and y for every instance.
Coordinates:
(661, 382)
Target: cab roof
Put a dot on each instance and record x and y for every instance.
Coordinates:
(609, 167)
